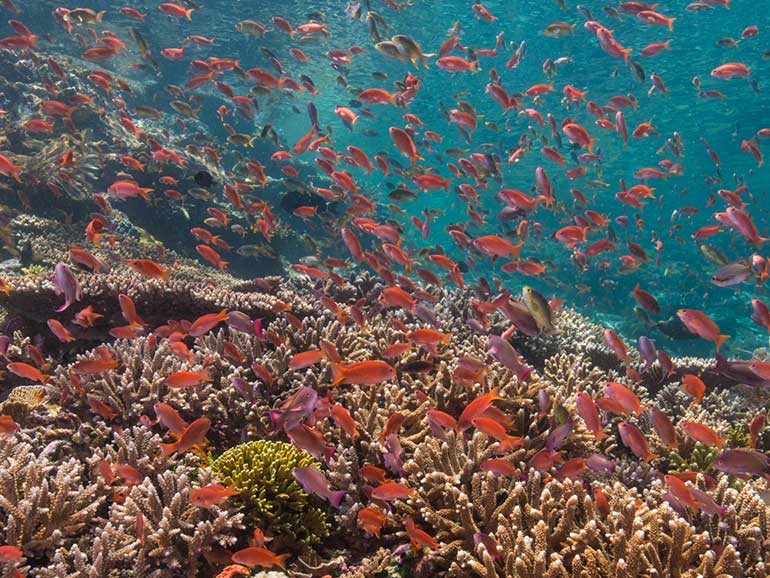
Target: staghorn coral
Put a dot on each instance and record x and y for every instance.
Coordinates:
(273, 500)
(44, 500)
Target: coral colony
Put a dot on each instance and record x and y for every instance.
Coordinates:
(296, 295)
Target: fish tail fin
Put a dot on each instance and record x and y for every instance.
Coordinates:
(100, 15)
(650, 456)
(475, 66)
(720, 340)
(168, 449)
(671, 24)
(188, 13)
(280, 560)
(626, 52)
(338, 374)
(600, 435)
(336, 498)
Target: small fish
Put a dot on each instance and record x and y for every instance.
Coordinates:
(314, 482)
(212, 495)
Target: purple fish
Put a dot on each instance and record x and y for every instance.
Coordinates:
(739, 371)
(544, 401)
(5, 342)
(240, 322)
(426, 314)
(314, 482)
(490, 544)
(675, 504)
(476, 326)
(598, 462)
(559, 434)
(518, 314)
(295, 409)
(741, 461)
(646, 351)
(706, 503)
(244, 388)
(665, 362)
(507, 356)
(65, 282)
(392, 457)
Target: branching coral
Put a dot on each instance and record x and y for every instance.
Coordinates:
(44, 500)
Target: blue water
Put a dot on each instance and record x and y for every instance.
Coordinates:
(682, 276)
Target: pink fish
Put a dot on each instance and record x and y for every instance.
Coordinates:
(314, 482)
(65, 283)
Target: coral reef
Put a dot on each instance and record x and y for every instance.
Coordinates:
(492, 512)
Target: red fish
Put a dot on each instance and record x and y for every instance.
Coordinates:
(212, 495)
(175, 10)
(27, 371)
(702, 325)
(193, 435)
(362, 372)
(211, 256)
(206, 323)
(702, 433)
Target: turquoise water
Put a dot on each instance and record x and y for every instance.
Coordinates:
(678, 275)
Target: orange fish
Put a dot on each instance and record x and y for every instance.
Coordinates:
(372, 474)
(702, 433)
(186, 378)
(371, 521)
(680, 491)
(9, 169)
(634, 439)
(86, 317)
(10, 554)
(419, 537)
(8, 425)
(101, 408)
(306, 359)
(206, 323)
(702, 325)
(94, 366)
(193, 435)
(693, 386)
(211, 256)
(495, 430)
(362, 372)
(344, 420)
(389, 491)
(27, 371)
(625, 397)
(207, 496)
(495, 246)
(148, 268)
(61, 332)
(175, 10)
(128, 308)
(258, 556)
(477, 407)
